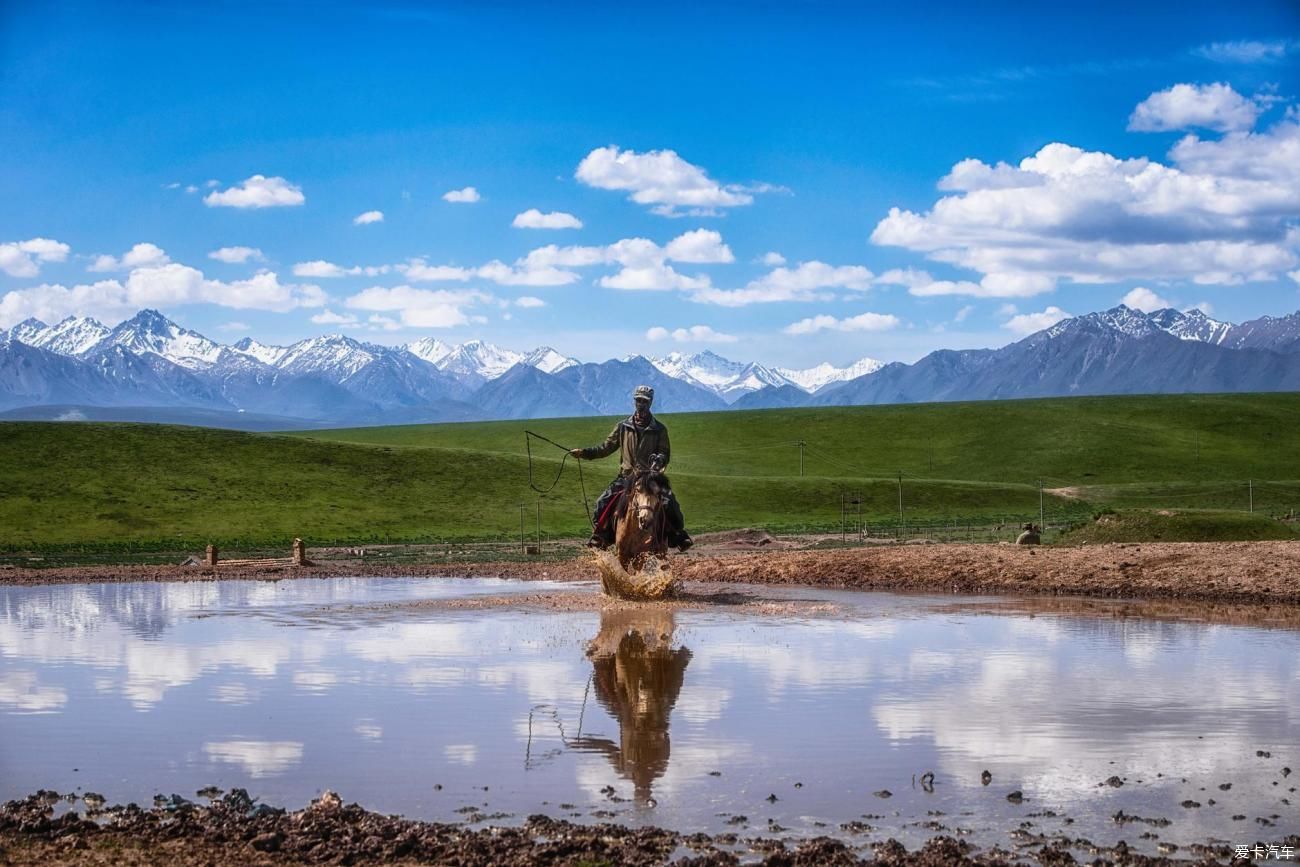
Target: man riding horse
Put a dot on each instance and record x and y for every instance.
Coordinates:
(642, 443)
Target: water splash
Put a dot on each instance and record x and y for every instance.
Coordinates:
(654, 580)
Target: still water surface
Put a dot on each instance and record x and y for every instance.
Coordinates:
(686, 718)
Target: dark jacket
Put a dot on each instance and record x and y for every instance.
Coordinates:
(637, 444)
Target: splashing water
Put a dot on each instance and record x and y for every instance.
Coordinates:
(654, 580)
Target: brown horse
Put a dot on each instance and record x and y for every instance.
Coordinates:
(641, 525)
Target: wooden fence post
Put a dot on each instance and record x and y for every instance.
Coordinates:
(212, 555)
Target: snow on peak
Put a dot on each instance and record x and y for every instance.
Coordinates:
(1191, 325)
(478, 358)
(151, 332)
(263, 352)
(547, 360)
(331, 354)
(430, 349)
(812, 378)
(28, 331)
(73, 336)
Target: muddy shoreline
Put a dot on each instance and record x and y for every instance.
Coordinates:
(1236, 573)
(233, 829)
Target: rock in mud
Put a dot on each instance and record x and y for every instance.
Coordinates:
(1016, 797)
(1114, 782)
(883, 793)
(986, 778)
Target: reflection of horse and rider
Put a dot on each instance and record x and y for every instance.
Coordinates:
(642, 443)
(638, 676)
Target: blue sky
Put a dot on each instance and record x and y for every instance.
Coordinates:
(768, 141)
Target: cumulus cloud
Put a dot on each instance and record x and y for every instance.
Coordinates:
(772, 259)
(644, 264)
(139, 256)
(367, 218)
(806, 282)
(1222, 212)
(323, 270)
(861, 322)
(529, 301)
(24, 258)
(1000, 285)
(329, 317)
(1028, 323)
(166, 285)
(661, 179)
(1142, 298)
(420, 308)
(1244, 51)
(237, 255)
(465, 196)
(1209, 106)
(535, 219)
(258, 191)
(693, 334)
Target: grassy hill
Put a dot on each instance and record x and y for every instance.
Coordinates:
(69, 484)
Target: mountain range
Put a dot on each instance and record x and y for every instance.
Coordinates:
(150, 368)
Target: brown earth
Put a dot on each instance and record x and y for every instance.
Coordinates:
(235, 831)
(1252, 573)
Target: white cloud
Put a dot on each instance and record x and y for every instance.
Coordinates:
(1219, 214)
(466, 195)
(237, 255)
(1210, 106)
(659, 178)
(367, 218)
(861, 322)
(499, 272)
(693, 334)
(257, 758)
(1028, 323)
(191, 189)
(772, 259)
(329, 317)
(420, 308)
(166, 285)
(258, 191)
(140, 256)
(963, 313)
(805, 282)
(535, 219)
(702, 246)
(1245, 51)
(24, 258)
(644, 263)
(1142, 298)
(529, 301)
(320, 269)
(972, 174)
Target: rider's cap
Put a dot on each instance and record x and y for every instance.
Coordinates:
(644, 391)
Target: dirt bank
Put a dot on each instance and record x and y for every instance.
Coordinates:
(1254, 573)
(233, 830)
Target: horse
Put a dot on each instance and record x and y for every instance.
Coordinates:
(641, 525)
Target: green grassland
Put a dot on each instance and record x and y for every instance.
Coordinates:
(96, 484)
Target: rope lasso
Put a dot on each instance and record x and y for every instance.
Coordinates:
(528, 443)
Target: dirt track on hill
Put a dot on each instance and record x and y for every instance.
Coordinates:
(1221, 572)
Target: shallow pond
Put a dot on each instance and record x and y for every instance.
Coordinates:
(487, 701)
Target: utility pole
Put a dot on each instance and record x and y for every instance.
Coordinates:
(521, 529)
(900, 504)
(539, 525)
(1041, 524)
(1251, 484)
(801, 445)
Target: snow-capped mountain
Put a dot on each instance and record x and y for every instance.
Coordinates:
(431, 349)
(263, 352)
(477, 358)
(725, 378)
(150, 332)
(1191, 325)
(547, 360)
(150, 361)
(812, 378)
(334, 356)
(75, 335)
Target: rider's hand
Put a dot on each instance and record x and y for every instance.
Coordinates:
(577, 453)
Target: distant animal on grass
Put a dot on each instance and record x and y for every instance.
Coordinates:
(641, 527)
(1030, 536)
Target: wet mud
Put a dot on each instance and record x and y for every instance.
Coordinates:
(1248, 573)
(44, 828)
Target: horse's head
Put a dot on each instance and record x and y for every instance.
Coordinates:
(645, 499)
